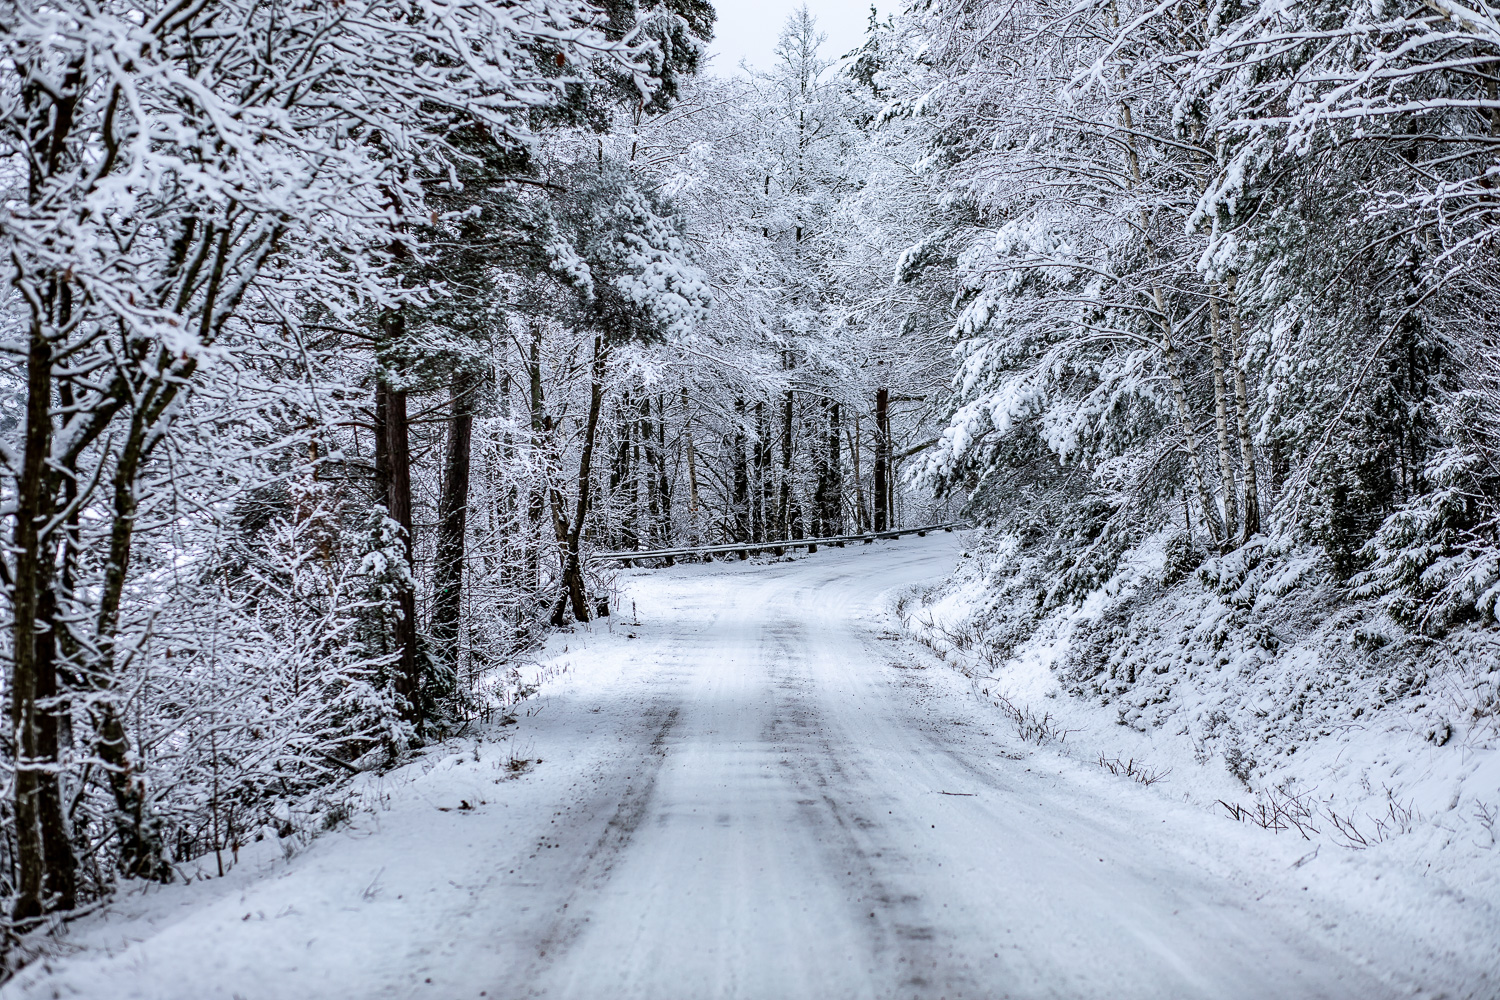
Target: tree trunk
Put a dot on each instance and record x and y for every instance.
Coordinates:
(821, 487)
(537, 504)
(692, 464)
(393, 473)
(509, 550)
(790, 510)
(1221, 421)
(663, 482)
(552, 475)
(764, 512)
(738, 443)
(893, 484)
(622, 485)
(1242, 417)
(141, 852)
(30, 580)
(152, 398)
(618, 463)
(834, 516)
(61, 882)
(861, 512)
(648, 474)
(453, 508)
(1174, 372)
(60, 864)
(1189, 434)
(882, 459)
(574, 592)
(633, 505)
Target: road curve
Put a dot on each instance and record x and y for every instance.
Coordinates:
(819, 825)
(756, 793)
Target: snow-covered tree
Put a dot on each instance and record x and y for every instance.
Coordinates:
(192, 187)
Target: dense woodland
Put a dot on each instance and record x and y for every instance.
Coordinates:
(343, 339)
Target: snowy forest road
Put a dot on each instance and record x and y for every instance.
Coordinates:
(819, 826)
(758, 792)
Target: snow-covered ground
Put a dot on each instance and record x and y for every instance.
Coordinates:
(1257, 685)
(763, 791)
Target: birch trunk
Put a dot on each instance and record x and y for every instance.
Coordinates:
(1189, 435)
(1221, 421)
(1169, 350)
(536, 508)
(1242, 416)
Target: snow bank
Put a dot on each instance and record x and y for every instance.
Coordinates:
(1253, 688)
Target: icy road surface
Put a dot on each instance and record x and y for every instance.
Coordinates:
(759, 792)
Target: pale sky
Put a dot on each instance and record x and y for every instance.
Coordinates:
(747, 29)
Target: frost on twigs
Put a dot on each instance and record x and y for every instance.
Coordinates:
(1281, 808)
(1134, 770)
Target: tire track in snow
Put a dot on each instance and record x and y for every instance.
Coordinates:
(598, 862)
(839, 796)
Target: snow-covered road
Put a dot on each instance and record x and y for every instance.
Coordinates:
(759, 792)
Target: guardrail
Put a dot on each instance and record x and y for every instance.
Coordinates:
(746, 549)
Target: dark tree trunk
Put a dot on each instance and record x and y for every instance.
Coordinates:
(833, 517)
(140, 835)
(141, 850)
(763, 514)
(791, 512)
(694, 504)
(57, 842)
(622, 480)
(820, 501)
(574, 592)
(741, 474)
(655, 473)
(30, 632)
(453, 508)
(765, 453)
(393, 474)
(647, 474)
(663, 483)
(882, 459)
(60, 881)
(152, 398)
